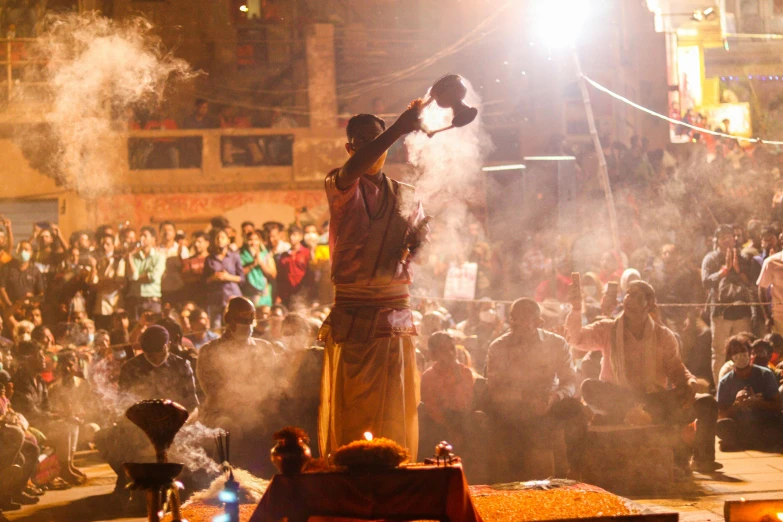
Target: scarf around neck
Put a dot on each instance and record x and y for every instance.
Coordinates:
(648, 355)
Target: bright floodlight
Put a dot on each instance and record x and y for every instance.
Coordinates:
(560, 21)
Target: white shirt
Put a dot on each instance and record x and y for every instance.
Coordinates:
(172, 277)
(772, 276)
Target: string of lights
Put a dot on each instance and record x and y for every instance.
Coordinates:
(672, 120)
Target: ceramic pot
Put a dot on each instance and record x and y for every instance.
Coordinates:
(290, 456)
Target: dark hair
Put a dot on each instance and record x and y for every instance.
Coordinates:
(151, 230)
(649, 291)
(761, 344)
(26, 349)
(62, 357)
(724, 229)
(735, 344)
(770, 230)
(296, 322)
(775, 340)
(295, 229)
(198, 312)
(527, 304)
(271, 225)
(359, 120)
(174, 329)
(199, 101)
(199, 234)
(244, 223)
(435, 342)
(38, 332)
(218, 222)
(278, 307)
(164, 223)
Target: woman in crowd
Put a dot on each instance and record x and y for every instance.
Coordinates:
(260, 270)
(223, 273)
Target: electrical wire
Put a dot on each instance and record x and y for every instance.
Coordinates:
(472, 37)
(672, 120)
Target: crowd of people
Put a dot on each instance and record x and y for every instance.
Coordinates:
(670, 330)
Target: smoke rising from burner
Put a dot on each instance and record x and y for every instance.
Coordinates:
(96, 70)
(447, 170)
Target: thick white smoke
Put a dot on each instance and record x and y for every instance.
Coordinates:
(448, 167)
(96, 69)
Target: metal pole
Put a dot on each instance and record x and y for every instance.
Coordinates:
(603, 174)
(9, 68)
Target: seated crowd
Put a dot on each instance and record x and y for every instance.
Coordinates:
(226, 323)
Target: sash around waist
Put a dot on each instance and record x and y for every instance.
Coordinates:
(389, 296)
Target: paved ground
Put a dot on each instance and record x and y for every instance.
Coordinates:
(748, 474)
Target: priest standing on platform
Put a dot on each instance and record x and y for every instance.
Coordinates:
(369, 381)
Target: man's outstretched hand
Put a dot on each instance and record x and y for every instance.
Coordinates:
(410, 120)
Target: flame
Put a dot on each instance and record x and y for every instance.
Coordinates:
(742, 499)
(780, 516)
(367, 436)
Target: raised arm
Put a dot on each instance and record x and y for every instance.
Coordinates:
(364, 158)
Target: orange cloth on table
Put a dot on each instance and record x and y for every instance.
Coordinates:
(425, 493)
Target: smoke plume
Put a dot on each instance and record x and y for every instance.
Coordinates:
(447, 169)
(96, 70)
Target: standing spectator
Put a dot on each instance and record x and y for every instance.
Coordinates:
(725, 278)
(260, 269)
(200, 118)
(49, 246)
(748, 403)
(6, 241)
(275, 244)
(171, 284)
(294, 281)
(223, 274)
(247, 227)
(770, 283)
(145, 267)
(108, 281)
(193, 268)
(20, 279)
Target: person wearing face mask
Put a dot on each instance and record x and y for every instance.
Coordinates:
(531, 384)
(748, 403)
(236, 374)
(20, 279)
(641, 368)
(153, 374)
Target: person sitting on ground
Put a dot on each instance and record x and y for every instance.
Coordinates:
(641, 367)
(200, 334)
(18, 454)
(748, 403)
(446, 395)
(31, 399)
(236, 373)
(531, 384)
(70, 395)
(775, 341)
(153, 374)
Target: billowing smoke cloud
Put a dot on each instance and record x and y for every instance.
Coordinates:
(96, 69)
(447, 166)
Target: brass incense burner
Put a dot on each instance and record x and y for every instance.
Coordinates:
(160, 420)
(449, 93)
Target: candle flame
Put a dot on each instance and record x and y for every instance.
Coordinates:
(367, 435)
